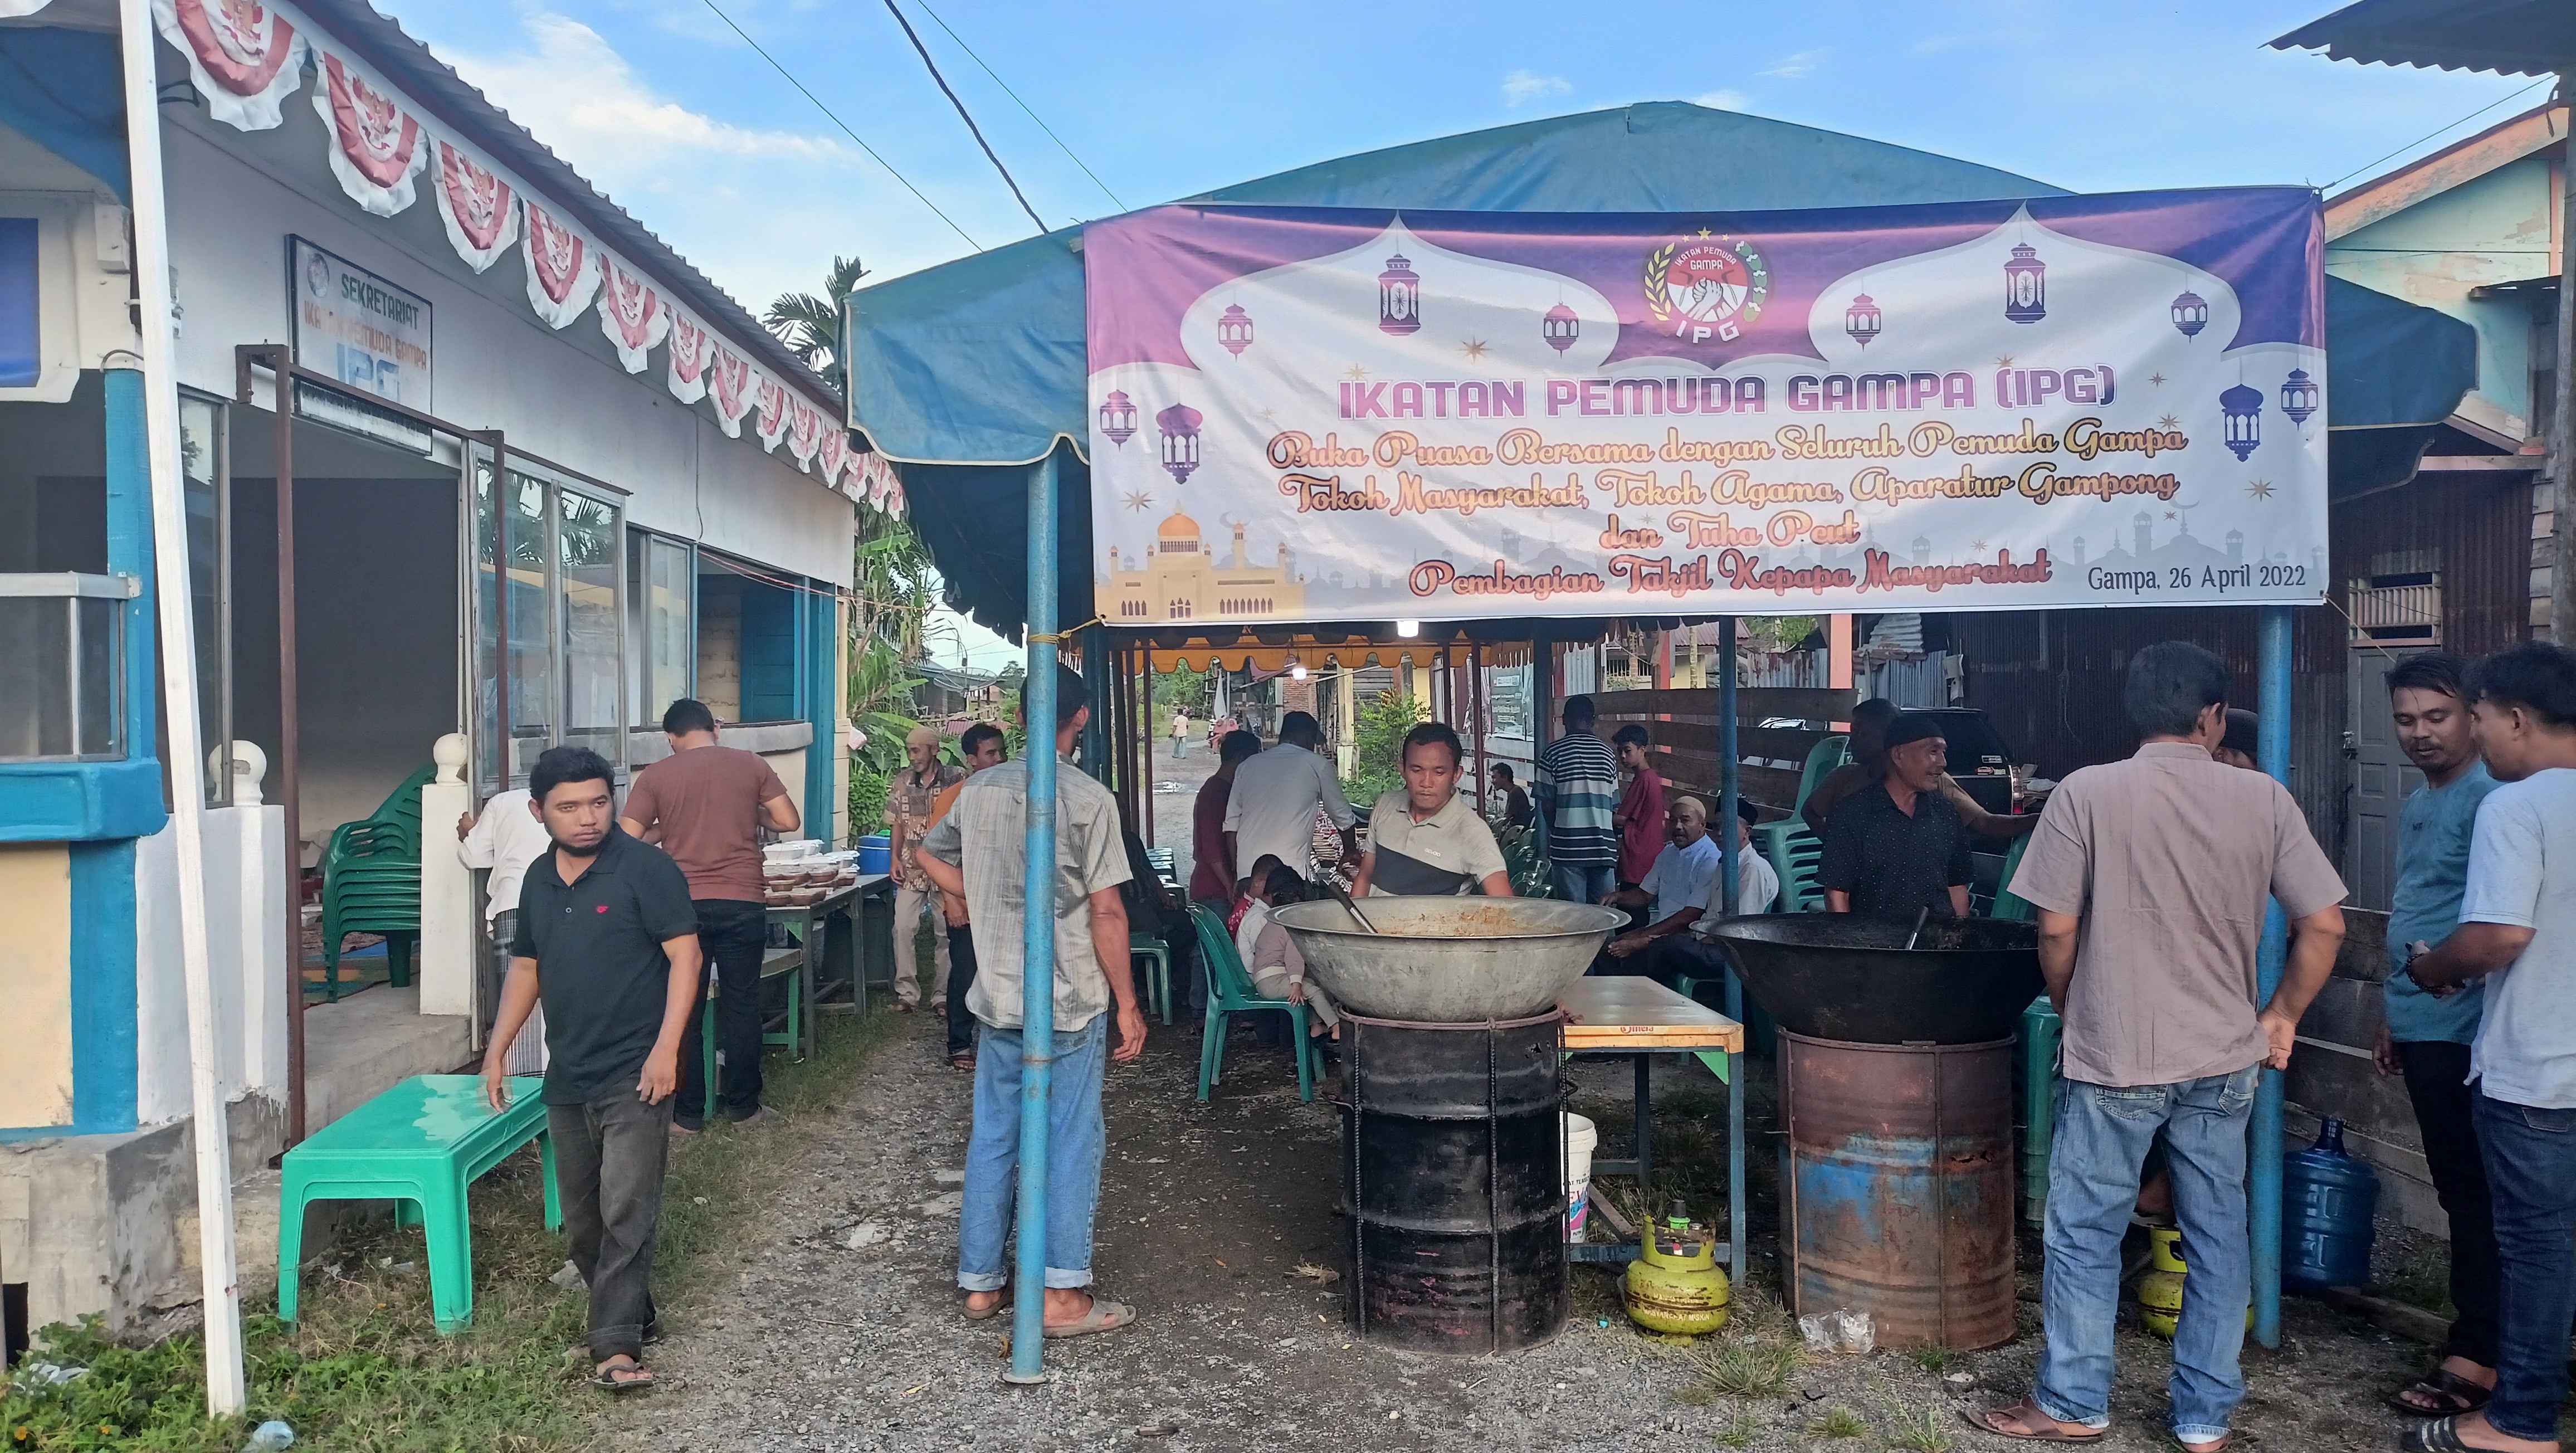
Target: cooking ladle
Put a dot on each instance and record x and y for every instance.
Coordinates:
(1920, 914)
(1342, 895)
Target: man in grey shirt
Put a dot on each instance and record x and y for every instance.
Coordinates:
(2517, 934)
(1276, 796)
(978, 851)
(2151, 877)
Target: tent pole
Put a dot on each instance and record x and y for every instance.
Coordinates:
(1037, 937)
(1729, 790)
(2272, 745)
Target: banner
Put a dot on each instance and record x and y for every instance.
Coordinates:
(245, 59)
(377, 145)
(1309, 414)
(631, 312)
(688, 356)
(563, 266)
(476, 203)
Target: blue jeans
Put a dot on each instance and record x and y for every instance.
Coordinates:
(2101, 1140)
(1583, 882)
(2530, 1156)
(1076, 1141)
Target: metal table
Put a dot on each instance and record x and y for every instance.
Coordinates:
(1639, 1018)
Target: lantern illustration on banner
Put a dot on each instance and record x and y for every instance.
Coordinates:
(1234, 329)
(1861, 320)
(2299, 396)
(1180, 426)
(1560, 326)
(1118, 417)
(2025, 285)
(1399, 297)
(2190, 313)
(2244, 409)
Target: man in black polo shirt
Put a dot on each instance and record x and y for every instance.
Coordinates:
(608, 937)
(1897, 846)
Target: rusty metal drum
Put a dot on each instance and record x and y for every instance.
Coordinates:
(1899, 1187)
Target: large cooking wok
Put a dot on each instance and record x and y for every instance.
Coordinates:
(1448, 960)
(1836, 976)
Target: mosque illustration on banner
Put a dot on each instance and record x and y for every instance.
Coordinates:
(1182, 579)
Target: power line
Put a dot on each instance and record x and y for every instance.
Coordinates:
(844, 125)
(924, 52)
(2436, 131)
(1119, 201)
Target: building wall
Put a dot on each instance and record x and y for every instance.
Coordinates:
(246, 956)
(36, 1032)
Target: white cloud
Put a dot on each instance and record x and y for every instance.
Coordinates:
(1522, 87)
(1723, 100)
(1797, 65)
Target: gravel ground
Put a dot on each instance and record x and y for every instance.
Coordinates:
(834, 1323)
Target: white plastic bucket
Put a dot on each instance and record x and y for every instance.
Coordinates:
(1580, 1137)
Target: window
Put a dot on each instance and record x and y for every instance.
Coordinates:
(1510, 698)
(661, 624)
(586, 541)
(205, 470)
(566, 680)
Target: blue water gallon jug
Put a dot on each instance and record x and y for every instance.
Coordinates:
(876, 853)
(2328, 1197)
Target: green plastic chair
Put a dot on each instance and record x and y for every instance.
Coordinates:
(774, 963)
(1158, 956)
(371, 882)
(1230, 992)
(1822, 760)
(2007, 905)
(422, 1144)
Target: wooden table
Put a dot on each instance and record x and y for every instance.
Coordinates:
(844, 921)
(1634, 1016)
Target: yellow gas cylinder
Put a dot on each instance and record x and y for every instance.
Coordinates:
(1674, 1285)
(2160, 1287)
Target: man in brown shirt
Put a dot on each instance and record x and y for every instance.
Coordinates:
(706, 804)
(907, 818)
(2151, 877)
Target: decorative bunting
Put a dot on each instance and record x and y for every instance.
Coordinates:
(804, 430)
(244, 58)
(563, 267)
(773, 410)
(729, 383)
(689, 356)
(831, 452)
(12, 9)
(631, 312)
(377, 145)
(478, 205)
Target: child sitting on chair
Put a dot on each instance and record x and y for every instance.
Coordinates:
(1278, 971)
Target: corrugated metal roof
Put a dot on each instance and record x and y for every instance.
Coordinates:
(2506, 37)
(381, 42)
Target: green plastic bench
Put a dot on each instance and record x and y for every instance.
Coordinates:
(1230, 992)
(774, 962)
(421, 1144)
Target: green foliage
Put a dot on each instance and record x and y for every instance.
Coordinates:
(1775, 634)
(1751, 1368)
(1377, 748)
(1838, 1422)
(810, 326)
(1921, 1430)
(1183, 687)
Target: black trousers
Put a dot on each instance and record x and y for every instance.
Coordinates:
(961, 977)
(609, 1154)
(2437, 1075)
(732, 935)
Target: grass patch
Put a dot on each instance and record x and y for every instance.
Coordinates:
(365, 1371)
(1738, 1434)
(1920, 1430)
(1935, 1359)
(1749, 1368)
(1838, 1423)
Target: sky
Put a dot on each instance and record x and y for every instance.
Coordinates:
(680, 120)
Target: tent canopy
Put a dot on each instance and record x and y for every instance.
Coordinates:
(2507, 37)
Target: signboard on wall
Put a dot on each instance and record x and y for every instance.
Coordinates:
(1333, 414)
(371, 335)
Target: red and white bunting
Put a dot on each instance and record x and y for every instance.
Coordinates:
(478, 204)
(563, 266)
(689, 356)
(804, 431)
(832, 453)
(729, 378)
(772, 395)
(632, 312)
(377, 144)
(244, 57)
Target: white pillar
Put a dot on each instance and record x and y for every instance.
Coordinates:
(446, 888)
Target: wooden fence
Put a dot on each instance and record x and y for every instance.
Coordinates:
(1775, 729)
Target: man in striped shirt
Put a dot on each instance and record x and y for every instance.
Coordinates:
(1577, 790)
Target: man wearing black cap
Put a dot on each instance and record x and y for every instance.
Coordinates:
(1897, 846)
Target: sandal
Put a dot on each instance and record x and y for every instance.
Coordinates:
(1104, 1316)
(2441, 1435)
(605, 1376)
(2024, 1421)
(964, 1059)
(2457, 1394)
(989, 1313)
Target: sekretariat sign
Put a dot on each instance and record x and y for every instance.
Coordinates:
(1311, 414)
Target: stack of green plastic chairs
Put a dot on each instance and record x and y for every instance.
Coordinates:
(1793, 847)
(371, 882)
(1524, 860)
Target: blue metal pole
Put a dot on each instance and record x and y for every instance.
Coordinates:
(1037, 939)
(1730, 775)
(2272, 753)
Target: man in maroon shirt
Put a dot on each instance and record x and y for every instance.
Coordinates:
(1211, 866)
(1642, 811)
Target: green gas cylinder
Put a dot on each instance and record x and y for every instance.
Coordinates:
(2159, 1290)
(1674, 1285)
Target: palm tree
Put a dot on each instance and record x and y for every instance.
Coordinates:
(810, 326)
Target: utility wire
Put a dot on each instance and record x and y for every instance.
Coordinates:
(924, 52)
(2429, 135)
(1120, 202)
(844, 125)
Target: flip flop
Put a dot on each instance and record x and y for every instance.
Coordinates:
(605, 1376)
(2021, 1413)
(1104, 1316)
(2463, 1395)
(989, 1313)
(2441, 1435)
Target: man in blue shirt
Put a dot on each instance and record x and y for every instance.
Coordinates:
(2427, 1038)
